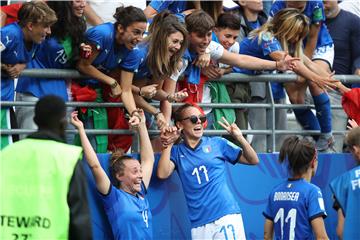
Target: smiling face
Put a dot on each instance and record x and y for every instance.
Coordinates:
(226, 36)
(175, 41)
(199, 42)
(78, 7)
(192, 131)
(132, 35)
(38, 32)
(132, 176)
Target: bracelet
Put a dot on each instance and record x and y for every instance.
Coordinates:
(114, 84)
(157, 114)
(168, 97)
(133, 112)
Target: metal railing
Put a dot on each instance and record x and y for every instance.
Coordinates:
(232, 77)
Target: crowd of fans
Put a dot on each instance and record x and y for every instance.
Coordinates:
(168, 51)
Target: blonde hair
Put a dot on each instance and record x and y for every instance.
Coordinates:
(158, 60)
(287, 24)
(37, 12)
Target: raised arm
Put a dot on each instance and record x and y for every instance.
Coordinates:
(165, 166)
(249, 155)
(101, 179)
(268, 230)
(91, 17)
(146, 151)
(128, 98)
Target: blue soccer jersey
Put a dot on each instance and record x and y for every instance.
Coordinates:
(314, 10)
(346, 189)
(262, 49)
(129, 216)
(111, 55)
(13, 51)
(172, 6)
(292, 206)
(51, 54)
(202, 172)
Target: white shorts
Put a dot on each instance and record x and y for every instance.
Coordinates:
(229, 227)
(325, 53)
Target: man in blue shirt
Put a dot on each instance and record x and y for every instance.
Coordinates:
(201, 164)
(19, 42)
(346, 190)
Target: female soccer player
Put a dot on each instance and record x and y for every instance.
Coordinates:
(295, 208)
(125, 203)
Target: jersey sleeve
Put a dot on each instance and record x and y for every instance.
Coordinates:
(216, 50)
(230, 151)
(8, 40)
(275, 7)
(317, 12)
(269, 44)
(108, 199)
(339, 188)
(97, 37)
(132, 61)
(316, 204)
(160, 5)
(268, 210)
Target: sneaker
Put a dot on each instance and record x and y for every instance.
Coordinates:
(324, 144)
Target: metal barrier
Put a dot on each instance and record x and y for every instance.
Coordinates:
(232, 77)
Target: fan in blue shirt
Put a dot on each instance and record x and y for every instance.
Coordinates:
(284, 33)
(346, 190)
(111, 45)
(125, 203)
(295, 207)
(158, 6)
(159, 57)
(18, 45)
(201, 162)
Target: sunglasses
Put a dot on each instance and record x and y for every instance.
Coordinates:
(194, 119)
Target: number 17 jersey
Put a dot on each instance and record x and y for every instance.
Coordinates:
(292, 206)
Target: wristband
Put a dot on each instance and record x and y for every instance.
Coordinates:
(133, 112)
(114, 84)
(157, 114)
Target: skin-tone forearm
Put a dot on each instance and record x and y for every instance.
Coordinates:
(318, 227)
(127, 96)
(312, 40)
(150, 12)
(3, 17)
(142, 103)
(101, 179)
(340, 225)
(248, 155)
(165, 166)
(91, 17)
(146, 153)
(247, 62)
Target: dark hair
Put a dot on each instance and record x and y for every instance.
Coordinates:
(213, 8)
(298, 152)
(36, 12)
(50, 112)
(228, 20)
(178, 114)
(353, 137)
(68, 25)
(117, 165)
(199, 22)
(125, 16)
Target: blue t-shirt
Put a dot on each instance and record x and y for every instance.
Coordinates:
(314, 10)
(51, 54)
(202, 172)
(292, 206)
(267, 45)
(13, 51)
(111, 55)
(139, 58)
(346, 189)
(172, 6)
(129, 216)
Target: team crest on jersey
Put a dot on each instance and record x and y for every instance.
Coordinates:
(2, 46)
(206, 149)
